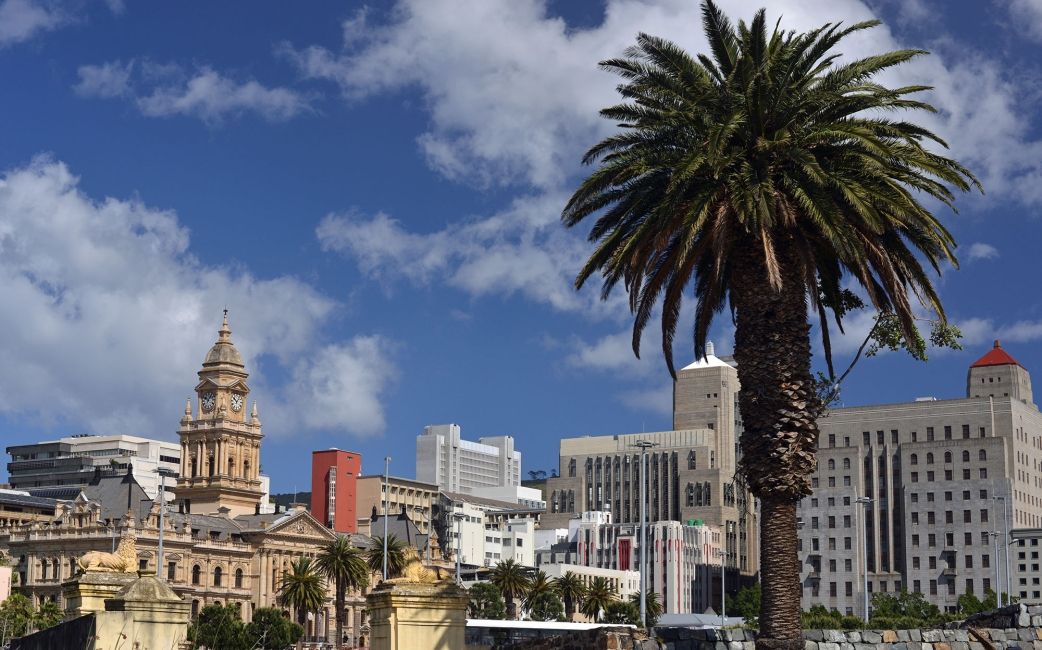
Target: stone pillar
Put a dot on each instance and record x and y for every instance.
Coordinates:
(417, 615)
(88, 592)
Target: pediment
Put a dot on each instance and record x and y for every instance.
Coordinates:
(233, 384)
(302, 524)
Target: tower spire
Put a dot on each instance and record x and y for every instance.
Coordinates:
(225, 333)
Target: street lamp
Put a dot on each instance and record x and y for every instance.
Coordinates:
(458, 516)
(864, 530)
(995, 549)
(163, 473)
(387, 463)
(723, 586)
(1005, 539)
(644, 445)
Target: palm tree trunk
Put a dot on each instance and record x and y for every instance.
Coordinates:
(779, 440)
(340, 588)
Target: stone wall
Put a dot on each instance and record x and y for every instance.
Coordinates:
(972, 638)
(604, 638)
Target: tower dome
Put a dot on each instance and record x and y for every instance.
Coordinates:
(223, 351)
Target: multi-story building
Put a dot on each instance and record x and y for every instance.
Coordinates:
(219, 545)
(71, 461)
(416, 498)
(457, 465)
(691, 469)
(18, 508)
(334, 489)
(487, 531)
(624, 583)
(683, 562)
(917, 492)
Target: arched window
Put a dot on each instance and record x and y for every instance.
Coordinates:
(914, 459)
(213, 465)
(193, 476)
(238, 578)
(929, 458)
(947, 456)
(217, 576)
(246, 469)
(846, 463)
(43, 569)
(196, 574)
(982, 455)
(965, 455)
(231, 467)
(832, 464)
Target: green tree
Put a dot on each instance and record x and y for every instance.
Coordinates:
(47, 615)
(652, 606)
(746, 603)
(513, 582)
(538, 585)
(16, 615)
(302, 589)
(546, 606)
(571, 589)
(219, 626)
(270, 630)
(396, 561)
(621, 613)
(970, 604)
(346, 566)
(486, 602)
(598, 596)
(767, 177)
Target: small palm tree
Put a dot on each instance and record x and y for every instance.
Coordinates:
(651, 604)
(572, 591)
(764, 178)
(539, 584)
(599, 595)
(346, 566)
(396, 561)
(513, 582)
(302, 589)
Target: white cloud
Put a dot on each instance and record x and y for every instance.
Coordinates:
(982, 251)
(108, 315)
(20, 20)
(167, 90)
(107, 80)
(654, 400)
(979, 331)
(1027, 16)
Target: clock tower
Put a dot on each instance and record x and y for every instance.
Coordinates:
(220, 444)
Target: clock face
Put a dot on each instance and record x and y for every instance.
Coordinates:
(209, 401)
(236, 402)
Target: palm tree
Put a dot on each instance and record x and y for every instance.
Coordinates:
(346, 566)
(651, 604)
(571, 589)
(396, 561)
(513, 582)
(302, 589)
(767, 177)
(599, 595)
(540, 583)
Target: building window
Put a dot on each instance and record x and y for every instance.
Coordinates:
(984, 515)
(196, 574)
(929, 434)
(142, 565)
(929, 458)
(217, 576)
(984, 472)
(982, 455)
(238, 578)
(947, 432)
(914, 459)
(171, 571)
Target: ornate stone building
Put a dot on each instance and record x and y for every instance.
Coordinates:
(218, 547)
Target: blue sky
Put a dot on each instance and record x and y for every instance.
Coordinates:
(374, 194)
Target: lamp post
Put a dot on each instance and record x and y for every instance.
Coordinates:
(723, 586)
(644, 445)
(995, 550)
(1005, 545)
(458, 516)
(867, 501)
(387, 463)
(162, 512)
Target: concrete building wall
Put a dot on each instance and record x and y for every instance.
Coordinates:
(416, 497)
(444, 458)
(334, 488)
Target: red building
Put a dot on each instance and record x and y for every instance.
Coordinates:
(334, 476)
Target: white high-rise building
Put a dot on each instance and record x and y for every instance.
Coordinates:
(457, 465)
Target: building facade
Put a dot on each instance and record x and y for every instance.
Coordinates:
(920, 494)
(416, 498)
(334, 488)
(72, 460)
(219, 545)
(445, 459)
(691, 469)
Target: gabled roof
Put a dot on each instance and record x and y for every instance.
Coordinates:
(995, 357)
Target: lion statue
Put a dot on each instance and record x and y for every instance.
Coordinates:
(414, 571)
(124, 560)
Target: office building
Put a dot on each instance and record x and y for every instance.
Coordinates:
(920, 493)
(334, 490)
(415, 498)
(71, 461)
(444, 458)
(691, 469)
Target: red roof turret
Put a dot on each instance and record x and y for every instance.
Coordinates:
(995, 357)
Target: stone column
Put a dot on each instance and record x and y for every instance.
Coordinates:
(417, 615)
